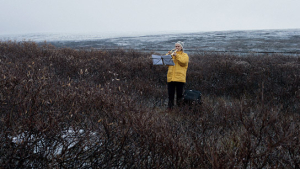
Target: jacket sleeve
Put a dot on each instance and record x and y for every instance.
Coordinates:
(183, 59)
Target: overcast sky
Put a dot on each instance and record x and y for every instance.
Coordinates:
(91, 16)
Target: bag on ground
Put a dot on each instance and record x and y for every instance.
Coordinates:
(192, 97)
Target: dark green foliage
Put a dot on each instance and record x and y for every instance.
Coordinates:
(67, 108)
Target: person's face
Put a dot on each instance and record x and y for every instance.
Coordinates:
(178, 47)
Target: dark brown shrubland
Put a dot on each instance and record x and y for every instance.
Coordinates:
(67, 108)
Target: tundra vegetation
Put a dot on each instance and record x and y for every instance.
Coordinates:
(75, 108)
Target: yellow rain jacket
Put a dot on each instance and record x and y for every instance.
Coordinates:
(177, 73)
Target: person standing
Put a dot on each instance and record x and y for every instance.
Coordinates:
(176, 77)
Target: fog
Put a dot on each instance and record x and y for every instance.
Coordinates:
(89, 16)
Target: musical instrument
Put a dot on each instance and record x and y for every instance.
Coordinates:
(173, 51)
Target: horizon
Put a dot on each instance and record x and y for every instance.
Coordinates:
(72, 36)
(238, 41)
(143, 32)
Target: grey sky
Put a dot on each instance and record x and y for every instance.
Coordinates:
(88, 16)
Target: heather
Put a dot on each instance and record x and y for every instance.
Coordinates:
(89, 108)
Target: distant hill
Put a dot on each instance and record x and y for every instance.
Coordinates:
(261, 41)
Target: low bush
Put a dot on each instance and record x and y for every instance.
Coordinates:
(68, 108)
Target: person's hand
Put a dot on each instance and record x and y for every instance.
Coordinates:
(174, 54)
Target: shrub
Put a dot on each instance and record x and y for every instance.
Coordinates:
(68, 108)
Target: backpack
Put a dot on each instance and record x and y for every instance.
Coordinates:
(192, 97)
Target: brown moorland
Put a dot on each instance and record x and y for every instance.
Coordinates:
(68, 108)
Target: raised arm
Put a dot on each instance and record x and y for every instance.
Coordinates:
(183, 59)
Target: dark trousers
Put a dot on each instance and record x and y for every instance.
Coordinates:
(172, 87)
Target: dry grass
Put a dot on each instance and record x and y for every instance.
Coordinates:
(67, 108)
